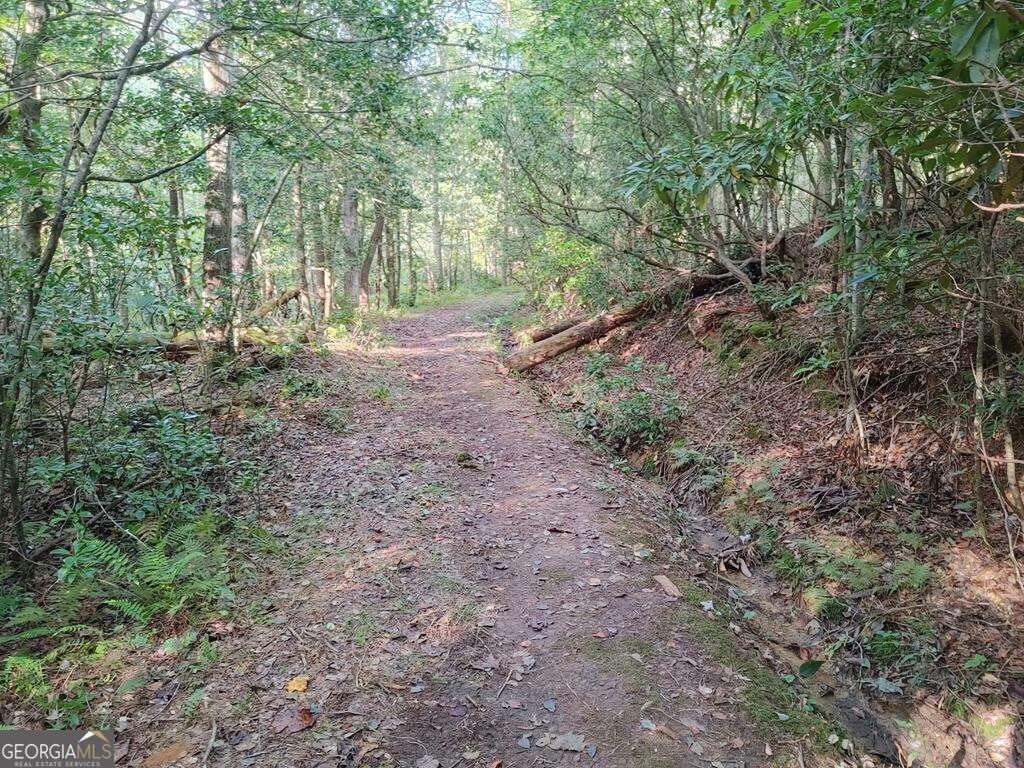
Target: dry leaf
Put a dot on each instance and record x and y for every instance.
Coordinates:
(292, 720)
(167, 755)
(298, 684)
(668, 585)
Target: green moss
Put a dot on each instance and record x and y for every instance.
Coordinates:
(614, 657)
(646, 756)
(770, 702)
(989, 730)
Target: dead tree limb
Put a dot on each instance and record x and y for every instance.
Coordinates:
(550, 330)
(592, 329)
(285, 296)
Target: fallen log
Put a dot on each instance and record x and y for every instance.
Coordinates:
(550, 330)
(592, 329)
(270, 305)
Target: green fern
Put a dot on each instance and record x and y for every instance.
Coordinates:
(90, 555)
(133, 610)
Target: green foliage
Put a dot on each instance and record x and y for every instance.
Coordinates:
(144, 537)
(631, 408)
(302, 387)
(807, 560)
(565, 271)
(909, 575)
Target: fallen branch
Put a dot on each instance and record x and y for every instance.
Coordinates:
(592, 329)
(550, 330)
(268, 307)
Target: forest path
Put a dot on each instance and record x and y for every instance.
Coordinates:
(465, 586)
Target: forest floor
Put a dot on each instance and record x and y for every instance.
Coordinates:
(463, 583)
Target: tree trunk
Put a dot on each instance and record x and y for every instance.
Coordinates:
(25, 91)
(548, 331)
(371, 252)
(412, 266)
(321, 265)
(271, 304)
(299, 236)
(596, 327)
(217, 231)
(388, 264)
(436, 233)
(398, 258)
(351, 243)
(380, 271)
(241, 255)
(175, 215)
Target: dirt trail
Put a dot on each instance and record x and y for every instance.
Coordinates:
(463, 585)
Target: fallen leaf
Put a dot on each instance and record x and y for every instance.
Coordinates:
(549, 705)
(664, 730)
(167, 755)
(668, 585)
(809, 667)
(524, 741)
(428, 761)
(298, 684)
(292, 720)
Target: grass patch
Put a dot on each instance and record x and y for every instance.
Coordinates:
(774, 705)
(360, 627)
(617, 658)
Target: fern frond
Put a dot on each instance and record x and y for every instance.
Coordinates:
(133, 609)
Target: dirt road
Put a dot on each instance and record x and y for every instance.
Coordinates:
(462, 584)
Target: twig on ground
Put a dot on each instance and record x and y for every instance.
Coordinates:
(209, 744)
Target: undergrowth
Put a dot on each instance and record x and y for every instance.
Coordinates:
(130, 537)
(629, 408)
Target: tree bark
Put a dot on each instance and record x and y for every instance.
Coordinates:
(25, 91)
(594, 328)
(412, 266)
(398, 258)
(270, 305)
(436, 233)
(299, 236)
(543, 333)
(321, 265)
(218, 196)
(388, 264)
(241, 256)
(371, 252)
(175, 214)
(351, 243)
